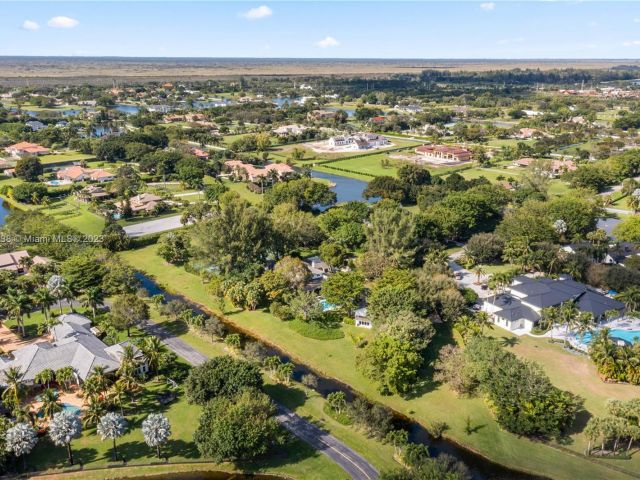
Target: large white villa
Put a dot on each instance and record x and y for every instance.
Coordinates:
(519, 307)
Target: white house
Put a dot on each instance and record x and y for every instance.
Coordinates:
(361, 318)
(519, 308)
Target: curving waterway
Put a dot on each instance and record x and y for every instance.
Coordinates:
(481, 468)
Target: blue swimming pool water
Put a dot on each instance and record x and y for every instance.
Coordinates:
(71, 408)
(326, 306)
(628, 335)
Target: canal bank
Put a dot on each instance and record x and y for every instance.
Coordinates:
(481, 467)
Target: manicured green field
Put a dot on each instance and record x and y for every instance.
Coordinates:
(64, 157)
(337, 358)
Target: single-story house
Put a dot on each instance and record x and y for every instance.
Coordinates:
(201, 154)
(293, 129)
(80, 174)
(144, 202)
(249, 172)
(558, 167)
(446, 153)
(361, 318)
(26, 149)
(14, 261)
(73, 345)
(91, 193)
(519, 307)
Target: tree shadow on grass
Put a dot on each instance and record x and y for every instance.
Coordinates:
(175, 327)
(509, 341)
(291, 452)
(132, 450)
(290, 397)
(180, 448)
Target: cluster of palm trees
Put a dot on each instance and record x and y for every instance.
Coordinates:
(101, 391)
(567, 315)
(20, 301)
(615, 362)
(617, 431)
(469, 326)
(15, 392)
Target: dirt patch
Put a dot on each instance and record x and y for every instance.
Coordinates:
(9, 341)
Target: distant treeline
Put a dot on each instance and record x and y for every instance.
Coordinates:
(529, 76)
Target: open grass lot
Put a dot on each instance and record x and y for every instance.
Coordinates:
(507, 142)
(64, 157)
(76, 215)
(337, 358)
(371, 165)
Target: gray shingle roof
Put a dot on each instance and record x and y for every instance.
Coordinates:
(74, 345)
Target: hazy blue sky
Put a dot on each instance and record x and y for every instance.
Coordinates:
(499, 29)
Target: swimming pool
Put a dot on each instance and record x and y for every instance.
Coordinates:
(326, 306)
(629, 336)
(67, 407)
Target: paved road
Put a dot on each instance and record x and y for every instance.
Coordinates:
(353, 463)
(153, 226)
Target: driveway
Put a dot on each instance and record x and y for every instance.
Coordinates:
(468, 279)
(153, 226)
(351, 462)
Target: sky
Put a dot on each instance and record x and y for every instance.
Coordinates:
(307, 29)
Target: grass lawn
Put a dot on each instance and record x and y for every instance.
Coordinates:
(337, 359)
(371, 164)
(241, 189)
(295, 458)
(64, 157)
(507, 142)
(298, 398)
(76, 215)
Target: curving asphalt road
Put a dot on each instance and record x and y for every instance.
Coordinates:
(153, 226)
(351, 462)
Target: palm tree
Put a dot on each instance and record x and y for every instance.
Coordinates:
(479, 271)
(93, 298)
(50, 403)
(631, 298)
(64, 375)
(118, 394)
(483, 321)
(18, 304)
(68, 293)
(15, 388)
(92, 414)
(44, 299)
(127, 361)
(46, 376)
(98, 381)
(152, 349)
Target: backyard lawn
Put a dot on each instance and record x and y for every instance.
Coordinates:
(64, 157)
(337, 358)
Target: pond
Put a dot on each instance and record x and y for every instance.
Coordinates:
(5, 209)
(480, 467)
(347, 189)
(350, 111)
(128, 109)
